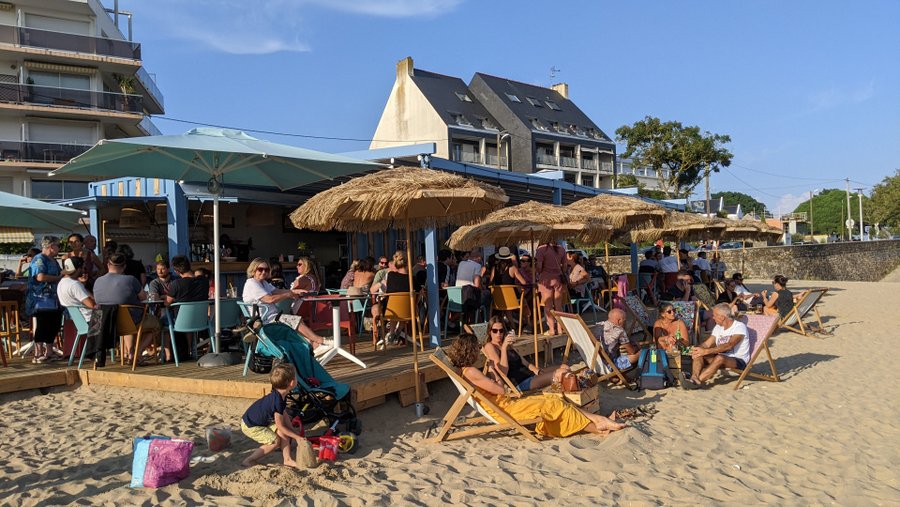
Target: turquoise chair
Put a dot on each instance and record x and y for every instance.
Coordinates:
(229, 315)
(246, 309)
(454, 304)
(192, 317)
(81, 329)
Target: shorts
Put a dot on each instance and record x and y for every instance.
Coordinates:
(741, 364)
(525, 385)
(264, 435)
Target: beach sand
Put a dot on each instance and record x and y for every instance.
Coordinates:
(826, 434)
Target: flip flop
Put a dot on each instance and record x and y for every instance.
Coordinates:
(685, 383)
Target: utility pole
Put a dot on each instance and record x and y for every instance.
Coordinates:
(812, 231)
(849, 224)
(707, 190)
(861, 227)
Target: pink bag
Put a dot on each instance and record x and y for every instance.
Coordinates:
(160, 461)
(622, 291)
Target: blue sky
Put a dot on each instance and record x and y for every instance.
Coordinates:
(808, 90)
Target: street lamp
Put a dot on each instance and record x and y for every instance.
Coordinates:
(501, 135)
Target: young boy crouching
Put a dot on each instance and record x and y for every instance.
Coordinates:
(267, 421)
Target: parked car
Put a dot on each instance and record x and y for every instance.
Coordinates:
(730, 244)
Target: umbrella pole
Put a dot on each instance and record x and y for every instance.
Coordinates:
(412, 307)
(606, 248)
(214, 358)
(535, 311)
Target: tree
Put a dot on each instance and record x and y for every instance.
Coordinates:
(747, 202)
(885, 203)
(685, 152)
(830, 211)
(630, 180)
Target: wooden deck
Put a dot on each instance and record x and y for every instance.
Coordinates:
(389, 372)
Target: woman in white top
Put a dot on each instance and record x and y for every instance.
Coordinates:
(258, 290)
(579, 278)
(70, 290)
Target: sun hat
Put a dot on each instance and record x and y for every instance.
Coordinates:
(504, 253)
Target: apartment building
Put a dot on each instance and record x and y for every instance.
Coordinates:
(645, 176)
(496, 122)
(69, 77)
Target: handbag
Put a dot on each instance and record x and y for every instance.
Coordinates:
(46, 302)
(159, 461)
(260, 363)
(569, 382)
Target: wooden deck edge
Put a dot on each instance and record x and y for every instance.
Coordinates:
(233, 389)
(37, 380)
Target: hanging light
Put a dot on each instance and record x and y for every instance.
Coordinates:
(133, 218)
(161, 214)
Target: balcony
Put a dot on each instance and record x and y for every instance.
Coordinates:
(491, 161)
(570, 162)
(606, 167)
(148, 127)
(589, 164)
(546, 159)
(44, 153)
(47, 39)
(70, 97)
(154, 98)
(468, 157)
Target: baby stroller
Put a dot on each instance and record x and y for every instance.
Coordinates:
(318, 396)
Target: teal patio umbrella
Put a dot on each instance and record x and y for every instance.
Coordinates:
(27, 213)
(217, 156)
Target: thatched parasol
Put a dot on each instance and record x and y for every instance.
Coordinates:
(411, 197)
(682, 227)
(531, 221)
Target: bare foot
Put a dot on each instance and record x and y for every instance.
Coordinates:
(249, 463)
(291, 463)
(604, 423)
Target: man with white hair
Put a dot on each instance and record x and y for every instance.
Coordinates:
(727, 347)
(614, 338)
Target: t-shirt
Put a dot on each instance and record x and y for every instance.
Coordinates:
(118, 289)
(254, 290)
(785, 302)
(396, 282)
(158, 288)
(183, 290)
(550, 260)
(262, 411)
(648, 266)
(612, 336)
(676, 294)
(742, 349)
(668, 264)
(71, 292)
(466, 273)
(40, 264)
(702, 263)
(380, 275)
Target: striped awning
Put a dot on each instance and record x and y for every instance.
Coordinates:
(16, 235)
(56, 67)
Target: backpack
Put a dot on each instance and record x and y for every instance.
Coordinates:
(653, 370)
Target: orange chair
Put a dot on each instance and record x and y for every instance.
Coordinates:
(398, 310)
(506, 299)
(125, 326)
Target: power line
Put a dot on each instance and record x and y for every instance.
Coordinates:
(791, 177)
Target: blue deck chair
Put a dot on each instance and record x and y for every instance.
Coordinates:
(192, 317)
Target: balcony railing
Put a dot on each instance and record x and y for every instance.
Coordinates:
(468, 157)
(491, 160)
(606, 167)
(34, 37)
(568, 162)
(149, 127)
(546, 159)
(589, 163)
(50, 153)
(70, 97)
(149, 84)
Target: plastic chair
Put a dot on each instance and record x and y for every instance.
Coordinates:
(192, 317)
(580, 304)
(229, 315)
(125, 325)
(81, 329)
(505, 299)
(398, 310)
(454, 304)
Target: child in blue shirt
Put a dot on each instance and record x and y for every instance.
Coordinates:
(267, 421)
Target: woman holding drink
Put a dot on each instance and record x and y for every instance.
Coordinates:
(526, 376)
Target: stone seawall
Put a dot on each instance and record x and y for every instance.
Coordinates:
(867, 261)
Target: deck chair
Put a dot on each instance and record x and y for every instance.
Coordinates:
(468, 394)
(687, 311)
(640, 321)
(593, 354)
(793, 321)
(717, 285)
(759, 329)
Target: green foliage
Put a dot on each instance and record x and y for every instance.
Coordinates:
(14, 248)
(722, 213)
(747, 202)
(830, 211)
(684, 151)
(885, 207)
(627, 180)
(630, 180)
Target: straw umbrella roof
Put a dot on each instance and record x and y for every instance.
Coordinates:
(683, 227)
(527, 221)
(388, 198)
(622, 211)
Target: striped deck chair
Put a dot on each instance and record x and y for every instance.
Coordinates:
(793, 321)
(595, 357)
(468, 394)
(688, 312)
(639, 321)
(759, 329)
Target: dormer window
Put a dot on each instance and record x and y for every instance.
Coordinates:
(514, 98)
(578, 130)
(487, 124)
(463, 97)
(534, 102)
(537, 124)
(560, 128)
(552, 105)
(460, 119)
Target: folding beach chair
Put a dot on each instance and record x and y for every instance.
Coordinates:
(759, 329)
(640, 320)
(688, 312)
(793, 321)
(593, 354)
(468, 394)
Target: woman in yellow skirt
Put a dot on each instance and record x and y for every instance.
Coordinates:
(558, 417)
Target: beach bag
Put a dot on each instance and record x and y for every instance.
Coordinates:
(653, 370)
(569, 382)
(160, 461)
(46, 302)
(260, 363)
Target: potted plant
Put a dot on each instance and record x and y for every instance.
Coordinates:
(127, 86)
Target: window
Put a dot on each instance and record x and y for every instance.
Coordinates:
(534, 102)
(513, 98)
(460, 119)
(463, 97)
(60, 80)
(54, 190)
(552, 105)
(537, 124)
(486, 123)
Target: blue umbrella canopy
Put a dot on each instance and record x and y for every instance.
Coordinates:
(202, 154)
(27, 213)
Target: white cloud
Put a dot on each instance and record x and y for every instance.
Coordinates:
(271, 26)
(787, 203)
(835, 96)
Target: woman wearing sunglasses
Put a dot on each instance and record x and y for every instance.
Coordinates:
(499, 351)
(669, 330)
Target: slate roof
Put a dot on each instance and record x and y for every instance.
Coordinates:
(443, 94)
(547, 106)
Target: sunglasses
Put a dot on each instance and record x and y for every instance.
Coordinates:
(525, 260)
(382, 263)
(262, 270)
(669, 311)
(497, 331)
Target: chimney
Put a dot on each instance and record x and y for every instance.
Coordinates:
(405, 68)
(560, 88)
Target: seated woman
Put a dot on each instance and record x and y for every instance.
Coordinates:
(506, 272)
(731, 298)
(779, 302)
(258, 291)
(364, 274)
(558, 417)
(669, 330)
(307, 280)
(579, 278)
(498, 350)
(395, 281)
(347, 281)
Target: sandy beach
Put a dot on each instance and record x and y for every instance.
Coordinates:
(825, 435)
